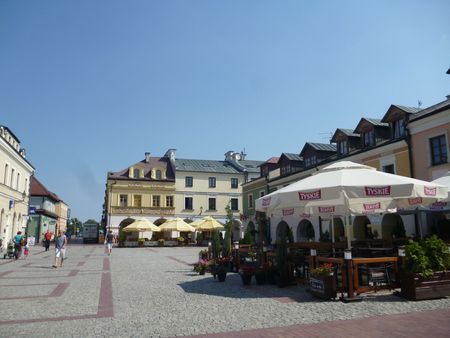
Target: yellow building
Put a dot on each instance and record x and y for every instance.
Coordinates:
(15, 177)
(145, 189)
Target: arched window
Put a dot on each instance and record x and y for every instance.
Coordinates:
(158, 174)
(305, 231)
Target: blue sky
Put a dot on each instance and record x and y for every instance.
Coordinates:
(89, 86)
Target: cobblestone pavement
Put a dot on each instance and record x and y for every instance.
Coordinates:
(152, 292)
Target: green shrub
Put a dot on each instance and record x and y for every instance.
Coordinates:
(427, 256)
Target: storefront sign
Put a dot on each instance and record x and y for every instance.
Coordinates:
(310, 196)
(429, 191)
(378, 191)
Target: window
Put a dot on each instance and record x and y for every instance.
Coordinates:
(156, 201)
(234, 204)
(250, 201)
(5, 179)
(18, 181)
(399, 128)
(188, 181)
(310, 161)
(212, 203)
(389, 169)
(158, 174)
(368, 139)
(26, 186)
(438, 149)
(343, 147)
(262, 193)
(169, 201)
(12, 178)
(188, 203)
(137, 201)
(136, 173)
(234, 183)
(123, 200)
(212, 182)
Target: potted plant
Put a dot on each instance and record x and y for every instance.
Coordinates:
(161, 242)
(425, 272)
(223, 267)
(322, 282)
(201, 266)
(246, 272)
(141, 242)
(260, 276)
(180, 240)
(203, 254)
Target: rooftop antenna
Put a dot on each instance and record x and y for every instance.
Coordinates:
(419, 103)
(327, 135)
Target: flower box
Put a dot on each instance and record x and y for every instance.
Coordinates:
(130, 244)
(151, 243)
(323, 287)
(415, 287)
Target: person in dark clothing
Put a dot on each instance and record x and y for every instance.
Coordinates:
(110, 240)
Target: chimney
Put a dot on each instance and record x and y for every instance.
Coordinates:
(170, 154)
(229, 156)
(243, 155)
(147, 157)
(448, 97)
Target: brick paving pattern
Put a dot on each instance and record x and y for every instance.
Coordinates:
(154, 293)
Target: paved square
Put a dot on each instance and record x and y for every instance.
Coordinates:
(154, 293)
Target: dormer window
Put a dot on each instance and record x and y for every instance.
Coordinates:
(398, 128)
(342, 147)
(310, 161)
(136, 173)
(368, 138)
(158, 174)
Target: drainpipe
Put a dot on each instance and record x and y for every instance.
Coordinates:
(417, 225)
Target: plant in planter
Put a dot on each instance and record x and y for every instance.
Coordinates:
(201, 266)
(425, 274)
(141, 241)
(246, 272)
(203, 254)
(260, 276)
(180, 240)
(220, 267)
(322, 282)
(281, 259)
(161, 242)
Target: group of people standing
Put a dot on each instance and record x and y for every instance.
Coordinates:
(60, 246)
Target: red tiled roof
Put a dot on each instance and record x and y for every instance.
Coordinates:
(38, 189)
(160, 162)
(273, 160)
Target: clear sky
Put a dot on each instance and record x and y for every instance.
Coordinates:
(88, 86)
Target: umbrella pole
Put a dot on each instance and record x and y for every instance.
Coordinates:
(332, 234)
(347, 228)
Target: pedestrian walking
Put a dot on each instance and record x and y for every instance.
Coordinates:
(47, 238)
(60, 249)
(109, 241)
(26, 250)
(18, 242)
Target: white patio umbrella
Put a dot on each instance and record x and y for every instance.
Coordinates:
(176, 224)
(443, 205)
(141, 225)
(346, 188)
(207, 223)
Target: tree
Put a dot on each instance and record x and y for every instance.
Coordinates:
(74, 226)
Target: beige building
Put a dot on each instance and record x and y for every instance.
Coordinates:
(207, 187)
(430, 131)
(15, 176)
